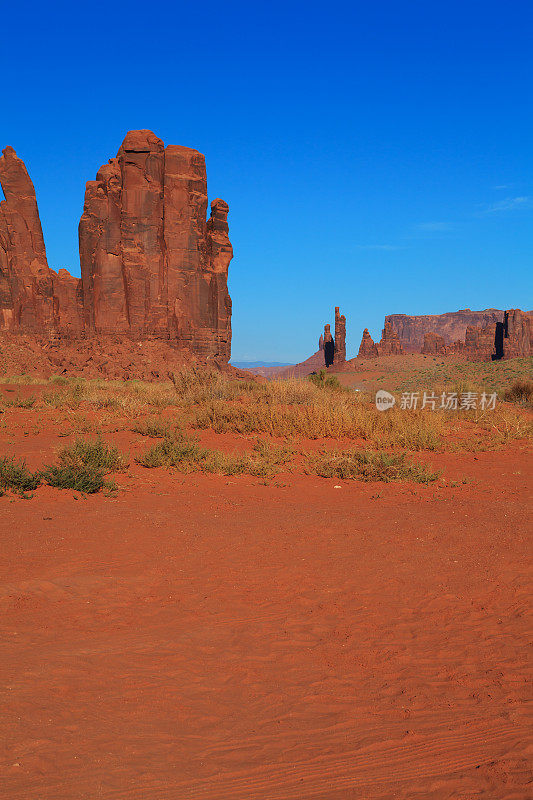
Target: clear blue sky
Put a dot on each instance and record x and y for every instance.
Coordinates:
(375, 155)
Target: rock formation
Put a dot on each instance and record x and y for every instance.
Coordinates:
(479, 342)
(498, 334)
(329, 346)
(340, 337)
(334, 349)
(26, 288)
(152, 266)
(433, 344)
(451, 326)
(367, 348)
(390, 344)
(517, 330)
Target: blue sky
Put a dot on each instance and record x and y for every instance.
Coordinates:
(375, 155)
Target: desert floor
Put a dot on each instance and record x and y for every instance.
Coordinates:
(205, 636)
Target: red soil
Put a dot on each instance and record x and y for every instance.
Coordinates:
(208, 637)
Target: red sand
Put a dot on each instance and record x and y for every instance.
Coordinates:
(207, 637)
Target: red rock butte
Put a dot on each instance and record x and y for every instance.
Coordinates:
(478, 335)
(152, 264)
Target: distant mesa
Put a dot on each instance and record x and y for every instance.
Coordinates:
(152, 265)
(479, 335)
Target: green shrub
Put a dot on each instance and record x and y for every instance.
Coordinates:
(176, 450)
(84, 465)
(95, 454)
(17, 477)
(82, 479)
(21, 402)
(325, 382)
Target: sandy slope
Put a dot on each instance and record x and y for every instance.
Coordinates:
(206, 637)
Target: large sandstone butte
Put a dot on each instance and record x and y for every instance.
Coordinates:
(478, 335)
(152, 265)
(451, 326)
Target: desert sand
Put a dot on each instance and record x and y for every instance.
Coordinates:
(202, 636)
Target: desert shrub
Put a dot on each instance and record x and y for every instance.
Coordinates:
(521, 392)
(16, 477)
(195, 385)
(154, 428)
(368, 466)
(504, 424)
(82, 479)
(95, 454)
(21, 402)
(324, 381)
(58, 380)
(329, 415)
(266, 459)
(83, 466)
(176, 450)
(187, 455)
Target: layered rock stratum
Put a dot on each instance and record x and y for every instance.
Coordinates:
(152, 265)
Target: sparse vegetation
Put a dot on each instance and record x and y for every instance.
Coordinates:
(186, 455)
(153, 428)
(324, 381)
(83, 466)
(318, 408)
(16, 477)
(21, 402)
(521, 392)
(368, 466)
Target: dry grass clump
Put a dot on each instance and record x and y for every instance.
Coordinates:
(323, 381)
(315, 408)
(336, 417)
(22, 380)
(180, 452)
(504, 424)
(20, 402)
(521, 392)
(130, 397)
(368, 466)
(153, 428)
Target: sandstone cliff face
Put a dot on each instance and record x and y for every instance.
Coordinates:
(390, 344)
(151, 264)
(480, 341)
(433, 344)
(517, 333)
(26, 289)
(451, 326)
